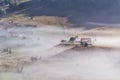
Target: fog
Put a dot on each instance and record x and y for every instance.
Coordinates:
(95, 64)
(101, 24)
(61, 62)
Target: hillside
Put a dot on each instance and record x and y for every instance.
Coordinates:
(75, 11)
(60, 40)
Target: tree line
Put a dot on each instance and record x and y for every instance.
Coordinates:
(7, 4)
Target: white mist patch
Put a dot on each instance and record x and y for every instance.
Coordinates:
(112, 42)
(98, 64)
(35, 38)
(102, 24)
(61, 63)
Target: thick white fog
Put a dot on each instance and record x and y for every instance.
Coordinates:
(59, 62)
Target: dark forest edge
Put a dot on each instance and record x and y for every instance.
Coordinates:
(8, 5)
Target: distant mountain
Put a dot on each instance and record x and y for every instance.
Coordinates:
(77, 11)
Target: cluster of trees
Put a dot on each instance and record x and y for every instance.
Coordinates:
(11, 3)
(7, 4)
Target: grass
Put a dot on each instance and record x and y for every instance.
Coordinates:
(37, 20)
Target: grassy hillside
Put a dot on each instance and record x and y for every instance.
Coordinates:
(74, 11)
(37, 20)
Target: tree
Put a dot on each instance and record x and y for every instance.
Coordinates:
(2, 12)
(13, 3)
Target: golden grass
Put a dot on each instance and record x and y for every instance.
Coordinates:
(37, 20)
